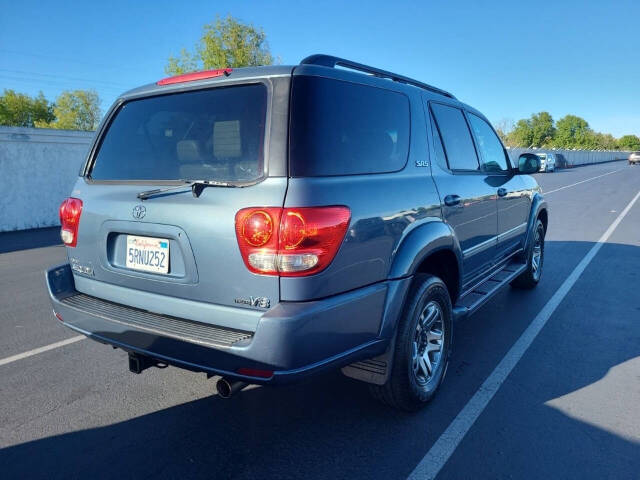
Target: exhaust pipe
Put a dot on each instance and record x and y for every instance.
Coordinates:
(227, 388)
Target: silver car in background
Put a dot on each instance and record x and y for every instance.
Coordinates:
(634, 158)
(547, 162)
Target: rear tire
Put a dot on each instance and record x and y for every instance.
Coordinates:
(535, 260)
(422, 348)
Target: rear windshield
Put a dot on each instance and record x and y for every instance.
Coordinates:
(342, 128)
(215, 134)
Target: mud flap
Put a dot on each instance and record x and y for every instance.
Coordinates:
(375, 370)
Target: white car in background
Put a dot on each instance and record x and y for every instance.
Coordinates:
(547, 162)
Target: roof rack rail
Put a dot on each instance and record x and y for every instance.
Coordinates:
(331, 61)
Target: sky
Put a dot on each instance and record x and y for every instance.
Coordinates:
(507, 59)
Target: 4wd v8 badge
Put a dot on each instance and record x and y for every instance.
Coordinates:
(260, 302)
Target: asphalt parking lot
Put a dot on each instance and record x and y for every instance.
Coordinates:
(569, 408)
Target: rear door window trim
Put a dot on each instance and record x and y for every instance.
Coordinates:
(455, 171)
(479, 153)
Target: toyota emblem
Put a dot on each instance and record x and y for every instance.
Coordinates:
(139, 211)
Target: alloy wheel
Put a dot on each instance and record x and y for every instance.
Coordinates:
(536, 259)
(428, 341)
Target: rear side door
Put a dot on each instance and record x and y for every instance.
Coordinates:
(513, 198)
(468, 197)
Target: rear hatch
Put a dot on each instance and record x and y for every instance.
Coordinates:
(175, 245)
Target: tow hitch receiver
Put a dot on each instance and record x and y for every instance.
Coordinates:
(139, 363)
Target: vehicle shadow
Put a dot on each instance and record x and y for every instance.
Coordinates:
(27, 239)
(330, 428)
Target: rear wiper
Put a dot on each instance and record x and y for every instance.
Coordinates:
(197, 186)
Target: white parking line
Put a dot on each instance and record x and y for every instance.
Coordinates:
(447, 443)
(583, 181)
(36, 351)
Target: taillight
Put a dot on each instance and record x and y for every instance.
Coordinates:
(70, 212)
(257, 233)
(290, 242)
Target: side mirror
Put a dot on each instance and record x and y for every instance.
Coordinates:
(528, 163)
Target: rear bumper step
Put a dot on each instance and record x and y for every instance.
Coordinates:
(178, 328)
(292, 339)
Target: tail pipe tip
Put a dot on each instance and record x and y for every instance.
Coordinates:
(227, 388)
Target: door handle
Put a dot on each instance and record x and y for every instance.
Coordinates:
(452, 200)
(502, 192)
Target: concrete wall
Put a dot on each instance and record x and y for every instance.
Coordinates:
(573, 157)
(38, 168)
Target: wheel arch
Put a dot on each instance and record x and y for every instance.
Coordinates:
(430, 248)
(421, 242)
(444, 265)
(544, 217)
(427, 248)
(539, 210)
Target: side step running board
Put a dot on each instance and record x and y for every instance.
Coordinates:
(473, 299)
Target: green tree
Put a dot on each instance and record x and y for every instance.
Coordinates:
(521, 135)
(609, 142)
(535, 131)
(629, 142)
(542, 129)
(573, 132)
(570, 131)
(75, 110)
(20, 110)
(227, 42)
(600, 141)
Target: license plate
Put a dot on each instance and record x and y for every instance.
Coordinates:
(148, 254)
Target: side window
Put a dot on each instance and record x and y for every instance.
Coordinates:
(492, 154)
(456, 137)
(344, 128)
(441, 158)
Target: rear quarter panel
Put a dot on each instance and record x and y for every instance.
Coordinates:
(384, 207)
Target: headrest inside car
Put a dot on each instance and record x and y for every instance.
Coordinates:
(189, 151)
(226, 139)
